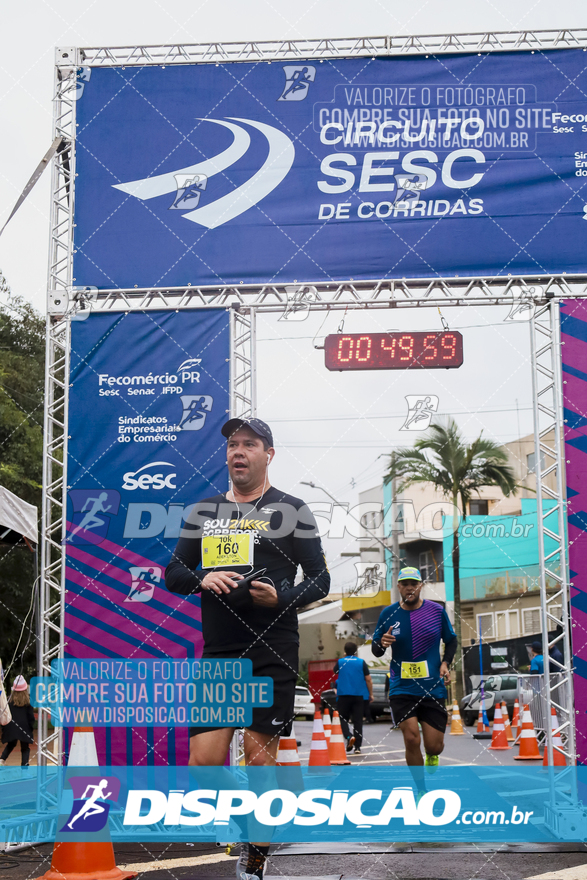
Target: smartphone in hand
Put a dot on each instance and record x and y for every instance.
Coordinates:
(246, 581)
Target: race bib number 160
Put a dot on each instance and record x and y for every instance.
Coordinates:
(222, 550)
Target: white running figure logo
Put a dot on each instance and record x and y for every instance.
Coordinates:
(91, 808)
(420, 409)
(90, 520)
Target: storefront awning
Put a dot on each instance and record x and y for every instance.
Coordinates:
(329, 613)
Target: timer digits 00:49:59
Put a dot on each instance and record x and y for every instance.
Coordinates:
(394, 351)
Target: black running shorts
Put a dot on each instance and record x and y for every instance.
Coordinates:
(426, 709)
(280, 664)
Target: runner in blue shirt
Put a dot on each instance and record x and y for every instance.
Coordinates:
(353, 687)
(537, 659)
(414, 628)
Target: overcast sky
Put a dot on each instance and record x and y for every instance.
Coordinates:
(332, 428)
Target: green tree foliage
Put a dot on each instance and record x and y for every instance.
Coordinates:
(22, 367)
(458, 470)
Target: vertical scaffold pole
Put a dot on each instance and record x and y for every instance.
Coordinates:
(243, 402)
(243, 393)
(51, 609)
(552, 542)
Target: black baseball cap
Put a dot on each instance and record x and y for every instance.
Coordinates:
(261, 429)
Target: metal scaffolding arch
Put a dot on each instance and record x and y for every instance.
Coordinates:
(243, 344)
(54, 503)
(65, 301)
(342, 47)
(545, 339)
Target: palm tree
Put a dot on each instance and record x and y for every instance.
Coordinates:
(458, 470)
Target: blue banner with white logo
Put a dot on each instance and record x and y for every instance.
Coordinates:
(149, 392)
(311, 804)
(331, 169)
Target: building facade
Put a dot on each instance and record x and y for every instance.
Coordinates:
(498, 540)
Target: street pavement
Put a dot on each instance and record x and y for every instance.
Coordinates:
(178, 861)
(362, 861)
(384, 746)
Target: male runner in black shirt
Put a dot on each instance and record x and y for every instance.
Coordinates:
(273, 531)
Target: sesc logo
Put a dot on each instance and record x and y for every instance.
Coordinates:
(149, 480)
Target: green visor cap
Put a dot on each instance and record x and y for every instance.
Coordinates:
(409, 574)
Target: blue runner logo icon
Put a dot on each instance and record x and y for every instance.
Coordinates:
(90, 808)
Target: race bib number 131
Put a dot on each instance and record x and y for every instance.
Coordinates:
(227, 550)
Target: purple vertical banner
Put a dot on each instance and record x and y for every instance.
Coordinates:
(574, 365)
(149, 392)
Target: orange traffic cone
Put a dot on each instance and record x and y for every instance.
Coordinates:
(319, 756)
(327, 724)
(337, 745)
(456, 725)
(287, 751)
(558, 759)
(506, 722)
(528, 743)
(481, 726)
(516, 725)
(84, 861)
(499, 739)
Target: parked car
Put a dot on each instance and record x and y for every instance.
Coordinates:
(380, 704)
(303, 704)
(496, 688)
(328, 700)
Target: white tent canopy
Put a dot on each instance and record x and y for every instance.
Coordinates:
(17, 515)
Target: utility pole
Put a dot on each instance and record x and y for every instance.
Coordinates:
(371, 531)
(394, 537)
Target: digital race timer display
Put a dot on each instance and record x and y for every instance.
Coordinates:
(393, 351)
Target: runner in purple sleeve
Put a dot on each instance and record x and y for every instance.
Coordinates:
(414, 628)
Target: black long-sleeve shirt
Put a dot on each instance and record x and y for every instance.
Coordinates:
(285, 537)
(22, 724)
